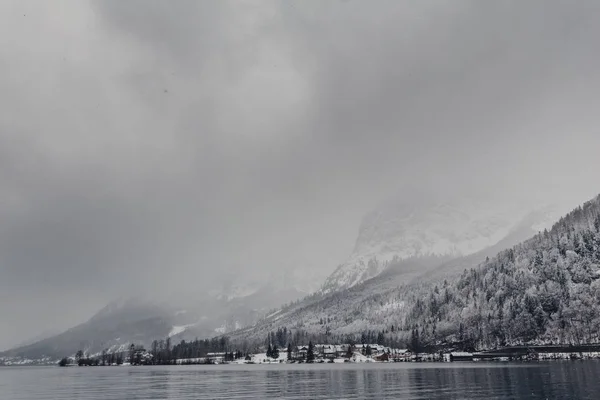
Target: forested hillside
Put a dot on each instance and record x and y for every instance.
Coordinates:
(543, 290)
(546, 289)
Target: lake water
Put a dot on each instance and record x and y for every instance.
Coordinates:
(542, 380)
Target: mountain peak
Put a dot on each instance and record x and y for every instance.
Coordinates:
(420, 226)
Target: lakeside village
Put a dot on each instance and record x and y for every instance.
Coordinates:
(329, 353)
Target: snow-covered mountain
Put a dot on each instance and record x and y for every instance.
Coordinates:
(245, 284)
(411, 239)
(383, 300)
(429, 225)
(141, 320)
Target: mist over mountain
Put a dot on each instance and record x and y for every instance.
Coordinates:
(142, 319)
(415, 239)
(195, 153)
(528, 288)
(426, 223)
(543, 290)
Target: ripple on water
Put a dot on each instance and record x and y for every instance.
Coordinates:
(550, 380)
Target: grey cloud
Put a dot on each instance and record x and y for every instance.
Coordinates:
(156, 140)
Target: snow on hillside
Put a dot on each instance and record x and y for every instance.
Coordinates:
(289, 277)
(235, 290)
(406, 228)
(177, 329)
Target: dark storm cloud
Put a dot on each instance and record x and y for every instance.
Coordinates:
(178, 143)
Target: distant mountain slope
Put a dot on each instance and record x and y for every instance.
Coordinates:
(142, 320)
(114, 326)
(427, 225)
(394, 301)
(384, 301)
(546, 290)
(37, 338)
(530, 225)
(375, 304)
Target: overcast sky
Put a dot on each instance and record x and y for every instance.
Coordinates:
(180, 142)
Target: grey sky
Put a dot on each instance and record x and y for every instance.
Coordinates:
(182, 142)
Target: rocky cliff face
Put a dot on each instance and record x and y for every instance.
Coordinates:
(426, 225)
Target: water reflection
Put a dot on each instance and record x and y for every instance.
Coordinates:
(552, 380)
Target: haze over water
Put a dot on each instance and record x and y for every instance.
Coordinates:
(551, 380)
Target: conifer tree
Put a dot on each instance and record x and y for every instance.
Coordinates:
(310, 354)
(132, 354)
(349, 352)
(78, 356)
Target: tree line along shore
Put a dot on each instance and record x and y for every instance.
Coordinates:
(328, 353)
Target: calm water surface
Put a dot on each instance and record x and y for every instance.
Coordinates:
(544, 380)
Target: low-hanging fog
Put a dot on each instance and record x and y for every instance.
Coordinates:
(150, 145)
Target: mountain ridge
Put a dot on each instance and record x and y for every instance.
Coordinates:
(385, 293)
(543, 290)
(141, 320)
(381, 301)
(397, 231)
